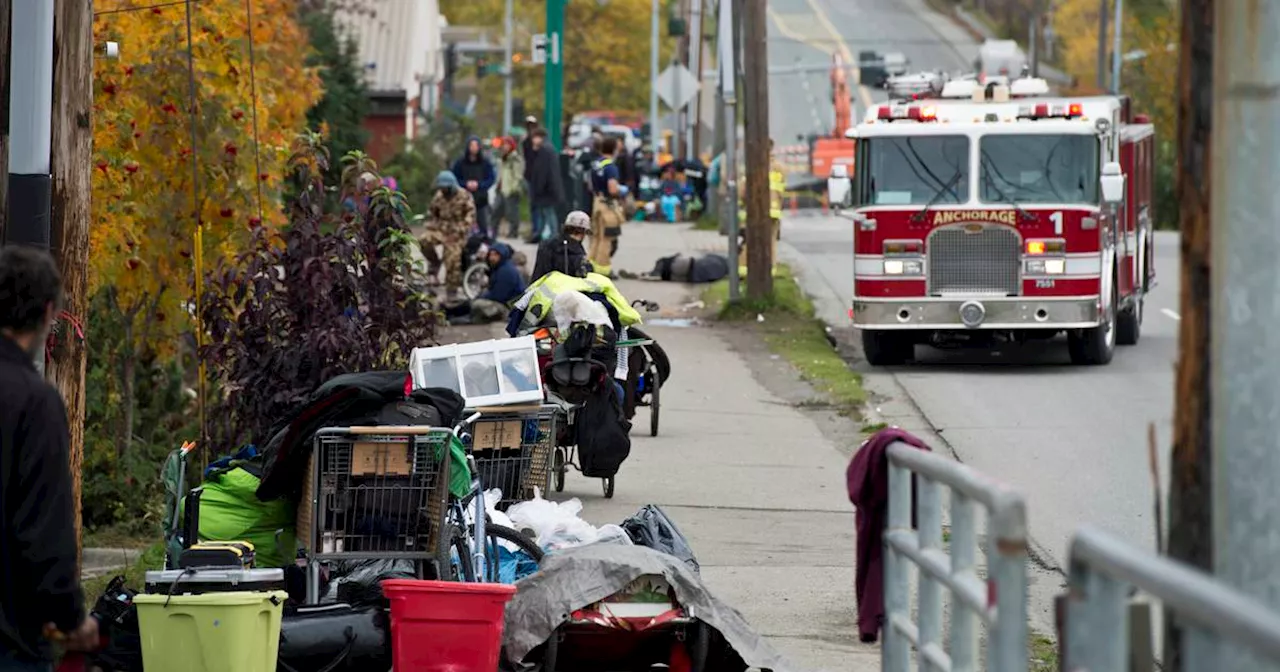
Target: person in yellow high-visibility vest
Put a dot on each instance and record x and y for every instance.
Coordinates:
(777, 191)
(606, 213)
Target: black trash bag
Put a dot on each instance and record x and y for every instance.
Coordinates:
(118, 624)
(650, 527)
(603, 432)
(359, 582)
(334, 637)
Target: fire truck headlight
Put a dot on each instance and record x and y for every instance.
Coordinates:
(903, 267)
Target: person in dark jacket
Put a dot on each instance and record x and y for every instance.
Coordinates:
(546, 189)
(867, 479)
(476, 174)
(40, 593)
(566, 252)
(505, 285)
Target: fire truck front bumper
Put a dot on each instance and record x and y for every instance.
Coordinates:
(977, 312)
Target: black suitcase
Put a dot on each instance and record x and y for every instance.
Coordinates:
(333, 638)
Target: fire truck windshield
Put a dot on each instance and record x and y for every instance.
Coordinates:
(1039, 169)
(915, 170)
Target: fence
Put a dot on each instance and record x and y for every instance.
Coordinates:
(1103, 569)
(1000, 603)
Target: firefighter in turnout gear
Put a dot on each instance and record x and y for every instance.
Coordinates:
(607, 211)
(777, 191)
(452, 216)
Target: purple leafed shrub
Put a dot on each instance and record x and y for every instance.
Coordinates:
(326, 295)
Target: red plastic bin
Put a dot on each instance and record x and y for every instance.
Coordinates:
(445, 626)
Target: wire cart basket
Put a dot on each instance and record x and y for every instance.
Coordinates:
(512, 447)
(375, 493)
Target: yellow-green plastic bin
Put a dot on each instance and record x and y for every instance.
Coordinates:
(213, 632)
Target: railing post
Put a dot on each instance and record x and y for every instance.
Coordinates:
(964, 550)
(896, 653)
(1008, 569)
(929, 534)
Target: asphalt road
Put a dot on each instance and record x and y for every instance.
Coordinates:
(1073, 439)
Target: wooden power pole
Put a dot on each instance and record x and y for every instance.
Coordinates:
(756, 76)
(1191, 475)
(70, 161)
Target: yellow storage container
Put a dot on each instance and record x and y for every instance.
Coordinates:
(213, 632)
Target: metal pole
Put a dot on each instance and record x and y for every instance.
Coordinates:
(1033, 43)
(1117, 31)
(507, 70)
(654, 132)
(1244, 334)
(729, 165)
(30, 124)
(1102, 45)
(695, 60)
(554, 80)
(677, 138)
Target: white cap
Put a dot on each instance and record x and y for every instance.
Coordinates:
(578, 220)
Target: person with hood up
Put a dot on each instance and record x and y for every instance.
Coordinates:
(565, 253)
(477, 176)
(511, 186)
(505, 285)
(452, 215)
(546, 190)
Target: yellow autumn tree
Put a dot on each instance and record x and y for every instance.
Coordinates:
(151, 164)
(606, 54)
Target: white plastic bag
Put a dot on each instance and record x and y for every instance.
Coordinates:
(570, 307)
(560, 525)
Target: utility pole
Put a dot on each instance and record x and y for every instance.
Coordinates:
(72, 135)
(1191, 502)
(1102, 45)
(30, 103)
(654, 131)
(759, 229)
(694, 109)
(6, 13)
(1117, 32)
(554, 73)
(729, 164)
(1243, 166)
(508, 70)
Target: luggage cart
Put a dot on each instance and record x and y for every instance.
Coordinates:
(512, 447)
(376, 493)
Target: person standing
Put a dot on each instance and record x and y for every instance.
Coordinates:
(40, 592)
(453, 214)
(511, 187)
(546, 189)
(606, 207)
(477, 176)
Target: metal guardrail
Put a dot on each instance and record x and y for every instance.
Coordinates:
(1000, 603)
(1212, 613)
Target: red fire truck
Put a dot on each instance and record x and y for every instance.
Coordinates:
(996, 213)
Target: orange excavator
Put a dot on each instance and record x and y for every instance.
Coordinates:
(835, 149)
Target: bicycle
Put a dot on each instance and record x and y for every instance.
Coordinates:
(460, 538)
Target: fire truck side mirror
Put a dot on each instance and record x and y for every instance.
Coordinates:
(1112, 183)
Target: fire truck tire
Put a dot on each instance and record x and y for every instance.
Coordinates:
(1129, 325)
(1096, 346)
(886, 348)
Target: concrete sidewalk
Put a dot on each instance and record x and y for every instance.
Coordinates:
(750, 479)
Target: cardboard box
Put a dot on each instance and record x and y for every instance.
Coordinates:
(384, 459)
(497, 434)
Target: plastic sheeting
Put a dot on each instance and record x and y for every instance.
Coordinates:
(576, 578)
(652, 528)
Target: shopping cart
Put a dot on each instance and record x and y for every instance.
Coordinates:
(376, 493)
(512, 446)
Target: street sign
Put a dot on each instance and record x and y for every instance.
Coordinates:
(539, 48)
(677, 86)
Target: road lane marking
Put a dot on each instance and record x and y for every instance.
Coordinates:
(1172, 315)
(863, 93)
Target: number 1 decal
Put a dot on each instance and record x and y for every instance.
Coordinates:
(1056, 218)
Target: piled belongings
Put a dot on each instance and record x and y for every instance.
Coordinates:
(680, 268)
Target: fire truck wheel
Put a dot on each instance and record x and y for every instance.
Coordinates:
(1096, 346)
(886, 348)
(1129, 324)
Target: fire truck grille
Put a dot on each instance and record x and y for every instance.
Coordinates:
(986, 262)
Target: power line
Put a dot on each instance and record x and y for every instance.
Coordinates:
(125, 10)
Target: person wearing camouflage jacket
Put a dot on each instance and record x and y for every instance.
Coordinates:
(452, 216)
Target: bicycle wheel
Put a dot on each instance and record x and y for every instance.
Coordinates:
(496, 533)
(475, 280)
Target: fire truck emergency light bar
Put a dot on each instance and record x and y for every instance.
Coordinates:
(930, 113)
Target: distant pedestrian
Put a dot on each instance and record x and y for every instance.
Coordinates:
(39, 578)
(526, 145)
(453, 215)
(511, 186)
(477, 176)
(606, 208)
(546, 189)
